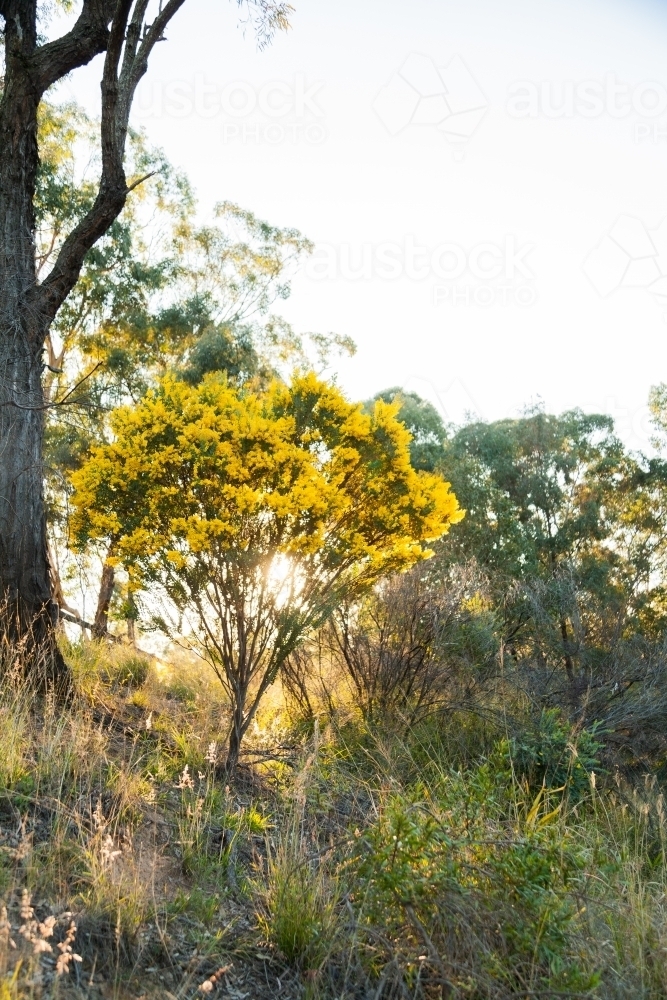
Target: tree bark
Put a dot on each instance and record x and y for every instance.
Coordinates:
(235, 736)
(29, 615)
(101, 623)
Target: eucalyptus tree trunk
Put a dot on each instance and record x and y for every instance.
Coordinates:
(119, 29)
(25, 586)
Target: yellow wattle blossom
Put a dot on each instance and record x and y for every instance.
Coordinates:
(299, 463)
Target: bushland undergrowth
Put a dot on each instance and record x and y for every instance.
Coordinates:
(459, 858)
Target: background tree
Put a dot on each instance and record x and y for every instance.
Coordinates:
(535, 489)
(568, 529)
(120, 277)
(257, 514)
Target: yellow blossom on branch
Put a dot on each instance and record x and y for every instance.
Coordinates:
(207, 489)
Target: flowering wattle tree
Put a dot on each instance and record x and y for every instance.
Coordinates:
(256, 514)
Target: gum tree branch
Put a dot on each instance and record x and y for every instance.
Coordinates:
(87, 39)
(125, 63)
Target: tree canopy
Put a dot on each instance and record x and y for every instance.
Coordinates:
(257, 513)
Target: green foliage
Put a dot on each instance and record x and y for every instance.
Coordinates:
(114, 667)
(534, 488)
(554, 754)
(180, 691)
(203, 905)
(219, 349)
(567, 528)
(300, 912)
(463, 883)
(424, 423)
(14, 725)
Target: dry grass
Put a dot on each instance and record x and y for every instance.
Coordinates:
(119, 833)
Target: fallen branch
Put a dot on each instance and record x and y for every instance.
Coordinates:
(84, 624)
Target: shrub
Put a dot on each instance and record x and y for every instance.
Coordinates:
(461, 891)
(554, 754)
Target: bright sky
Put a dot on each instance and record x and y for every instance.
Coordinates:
(485, 182)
